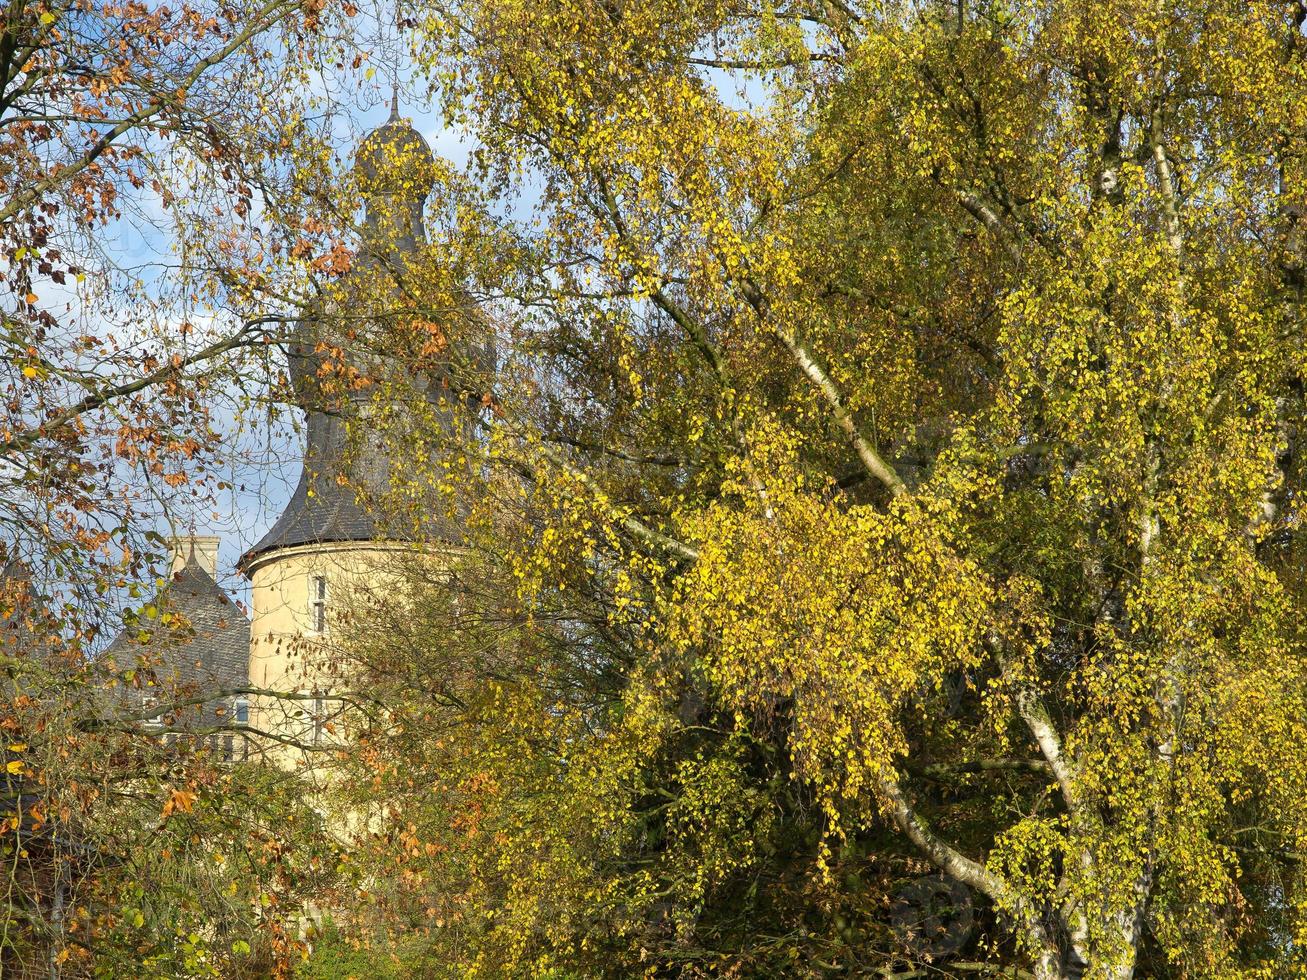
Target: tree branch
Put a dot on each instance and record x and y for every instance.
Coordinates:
(945, 772)
(101, 724)
(256, 24)
(871, 460)
(1166, 183)
(22, 441)
(633, 526)
(653, 459)
(942, 854)
(1033, 711)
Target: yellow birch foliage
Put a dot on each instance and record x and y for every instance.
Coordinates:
(893, 465)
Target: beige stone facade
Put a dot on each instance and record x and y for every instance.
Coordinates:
(301, 596)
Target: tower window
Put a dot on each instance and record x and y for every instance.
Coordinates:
(240, 711)
(315, 716)
(318, 603)
(319, 717)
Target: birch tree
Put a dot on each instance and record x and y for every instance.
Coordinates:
(896, 438)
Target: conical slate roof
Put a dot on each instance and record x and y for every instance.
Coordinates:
(396, 170)
(394, 166)
(322, 508)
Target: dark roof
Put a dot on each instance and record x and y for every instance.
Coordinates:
(208, 650)
(337, 493)
(323, 507)
(395, 159)
(21, 608)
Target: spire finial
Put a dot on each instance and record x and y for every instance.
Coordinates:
(394, 103)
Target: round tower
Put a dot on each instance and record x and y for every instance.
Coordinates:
(327, 547)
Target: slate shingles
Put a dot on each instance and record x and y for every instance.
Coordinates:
(205, 649)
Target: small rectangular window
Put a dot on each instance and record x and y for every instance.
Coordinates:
(312, 711)
(319, 716)
(155, 723)
(318, 603)
(240, 711)
(228, 748)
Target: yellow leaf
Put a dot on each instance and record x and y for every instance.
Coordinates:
(182, 800)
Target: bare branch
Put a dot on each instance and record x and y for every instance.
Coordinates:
(1033, 711)
(872, 461)
(255, 25)
(126, 720)
(948, 772)
(1166, 182)
(246, 336)
(943, 855)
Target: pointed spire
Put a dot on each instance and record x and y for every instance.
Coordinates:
(199, 551)
(394, 159)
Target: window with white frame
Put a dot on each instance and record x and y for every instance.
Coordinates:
(155, 723)
(313, 712)
(318, 603)
(319, 716)
(240, 711)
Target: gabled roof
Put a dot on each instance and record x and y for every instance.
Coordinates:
(208, 650)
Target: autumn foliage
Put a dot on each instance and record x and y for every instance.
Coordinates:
(883, 482)
(893, 469)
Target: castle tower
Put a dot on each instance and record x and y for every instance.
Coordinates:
(328, 545)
